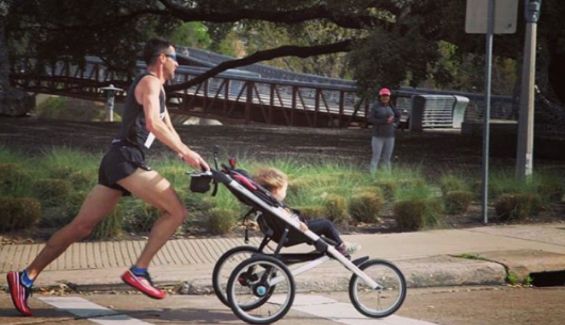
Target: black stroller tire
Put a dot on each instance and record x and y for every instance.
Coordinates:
(392, 280)
(241, 311)
(219, 266)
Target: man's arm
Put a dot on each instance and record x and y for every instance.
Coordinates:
(169, 124)
(148, 91)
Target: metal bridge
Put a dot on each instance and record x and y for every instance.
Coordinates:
(235, 94)
(258, 92)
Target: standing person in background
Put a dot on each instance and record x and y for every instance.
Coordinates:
(384, 118)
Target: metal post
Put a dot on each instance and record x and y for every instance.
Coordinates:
(111, 92)
(486, 115)
(110, 106)
(525, 146)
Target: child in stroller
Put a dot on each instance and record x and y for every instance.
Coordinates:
(276, 182)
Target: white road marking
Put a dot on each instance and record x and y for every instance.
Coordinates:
(343, 313)
(318, 306)
(91, 311)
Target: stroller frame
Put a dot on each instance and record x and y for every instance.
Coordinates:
(275, 264)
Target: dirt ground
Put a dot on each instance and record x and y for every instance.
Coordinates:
(434, 152)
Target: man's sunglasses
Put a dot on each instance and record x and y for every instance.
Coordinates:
(172, 56)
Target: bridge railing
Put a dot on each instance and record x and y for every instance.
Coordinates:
(233, 93)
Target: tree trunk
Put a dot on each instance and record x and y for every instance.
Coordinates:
(4, 64)
(13, 102)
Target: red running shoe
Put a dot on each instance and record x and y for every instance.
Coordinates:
(144, 284)
(19, 293)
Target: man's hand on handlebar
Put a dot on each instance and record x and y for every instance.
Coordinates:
(195, 160)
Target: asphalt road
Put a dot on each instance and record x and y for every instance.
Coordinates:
(454, 305)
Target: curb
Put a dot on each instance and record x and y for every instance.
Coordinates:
(436, 271)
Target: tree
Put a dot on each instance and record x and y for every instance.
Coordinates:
(391, 41)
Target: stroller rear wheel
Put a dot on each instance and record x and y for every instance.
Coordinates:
(384, 300)
(265, 283)
(224, 267)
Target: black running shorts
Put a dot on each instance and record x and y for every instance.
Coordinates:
(118, 163)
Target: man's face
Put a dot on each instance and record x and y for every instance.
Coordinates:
(385, 99)
(171, 63)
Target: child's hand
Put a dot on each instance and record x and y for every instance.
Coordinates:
(303, 226)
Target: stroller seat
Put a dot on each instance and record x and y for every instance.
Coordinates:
(270, 225)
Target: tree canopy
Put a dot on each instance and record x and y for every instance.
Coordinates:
(383, 42)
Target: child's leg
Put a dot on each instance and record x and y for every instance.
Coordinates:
(325, 227)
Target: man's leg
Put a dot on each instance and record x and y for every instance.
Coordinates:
(157, 191)
(98, 203)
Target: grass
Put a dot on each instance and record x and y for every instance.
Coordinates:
(314, 185)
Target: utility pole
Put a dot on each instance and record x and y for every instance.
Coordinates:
(525, 145)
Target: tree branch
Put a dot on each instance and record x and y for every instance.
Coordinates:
(320, 11)
(288, 50)
(114, 21)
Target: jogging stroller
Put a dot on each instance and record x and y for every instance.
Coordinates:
(261, 287)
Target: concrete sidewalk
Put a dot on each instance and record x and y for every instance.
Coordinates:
(481, 255)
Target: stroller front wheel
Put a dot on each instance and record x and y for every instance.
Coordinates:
(383, 300)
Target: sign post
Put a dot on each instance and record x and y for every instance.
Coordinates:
(489, 17)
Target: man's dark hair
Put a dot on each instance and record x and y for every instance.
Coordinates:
(153, 48)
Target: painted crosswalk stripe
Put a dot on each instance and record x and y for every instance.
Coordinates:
(91, 311)
(343, 313)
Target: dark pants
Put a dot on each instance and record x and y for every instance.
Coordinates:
(326, 228)
(320, 227)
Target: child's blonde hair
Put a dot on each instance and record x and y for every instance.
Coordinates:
(270, 178)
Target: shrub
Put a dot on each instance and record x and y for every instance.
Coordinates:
(299, 185)
(13, 179)
(409, 214)
(365, 207)
(52, 192)
(505, 183)
(18, 213)
(110, 227)
(335, 209)
(138, 216)
(517, 206)
(221, 221)
(81, 180)
(194, 202)
(551, 189)
(450, 183)
(388, 188)
(60, 215)
(417, 213)
(61, 171)
(457, 201)
(312, 211)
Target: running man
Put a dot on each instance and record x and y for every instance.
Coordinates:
(123, 172)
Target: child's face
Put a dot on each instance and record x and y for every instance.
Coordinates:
(280, 193)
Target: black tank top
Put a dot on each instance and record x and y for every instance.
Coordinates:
(132, 130)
